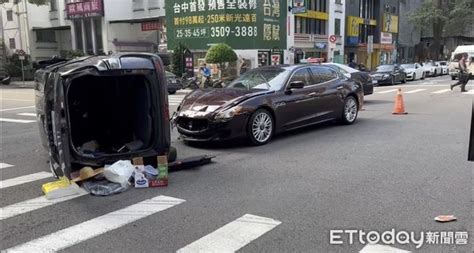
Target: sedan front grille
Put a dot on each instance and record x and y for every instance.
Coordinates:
(191, 124)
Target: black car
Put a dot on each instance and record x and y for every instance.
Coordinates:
(269, 100)
(389, 74)
(363, 78)
(99, 109)
(172, 83)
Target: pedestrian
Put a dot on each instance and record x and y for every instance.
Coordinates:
(206, 75)
(463, 75)
(243, 67)
(352, 64)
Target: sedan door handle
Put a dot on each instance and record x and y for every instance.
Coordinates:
(312, 94)
(340, 88)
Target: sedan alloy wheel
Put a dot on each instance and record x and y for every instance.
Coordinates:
(260, 129)
(351, 109)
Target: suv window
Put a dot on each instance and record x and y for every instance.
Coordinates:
(322, 74)
(301, 75)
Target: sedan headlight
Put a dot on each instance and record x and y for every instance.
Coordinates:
(386, 76)
(228, 114)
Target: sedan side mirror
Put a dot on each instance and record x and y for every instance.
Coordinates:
(296, 85)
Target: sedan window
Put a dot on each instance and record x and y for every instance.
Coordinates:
(265, 79)
(301, 75)
(321, 75)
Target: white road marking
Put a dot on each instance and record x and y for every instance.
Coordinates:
(5, 165)
(414, 91)
(31, 205)
(24, 179)
(441, 91)
(92, 228)
(387, 91)
(16, 99)
(23, 121)
(27, 114)
(377, 248)
(233, 236)
(471, 92)
(17, 108)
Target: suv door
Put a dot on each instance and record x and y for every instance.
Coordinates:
(296, 105)
(329, 92)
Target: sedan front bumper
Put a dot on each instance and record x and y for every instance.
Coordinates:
(204, 130)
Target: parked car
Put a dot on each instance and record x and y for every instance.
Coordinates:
(413, 71)
(453, 66)
(96, 110)
(269, 100)
(389, 74)
(172, 83)
(431, 69)
(363, 78)
(443, 65)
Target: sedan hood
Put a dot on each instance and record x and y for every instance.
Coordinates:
(205, 102)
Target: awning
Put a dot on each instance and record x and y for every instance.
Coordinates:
(56, 28)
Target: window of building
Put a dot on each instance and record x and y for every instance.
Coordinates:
(53, 5)
(337, 26)
(12, 43)
(45, 36)
(10, 15)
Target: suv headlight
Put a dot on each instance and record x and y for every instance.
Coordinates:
(228, 114)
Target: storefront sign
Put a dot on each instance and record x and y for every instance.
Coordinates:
(151, 26)
(242, 24)
(314, 15)
(385, 38)
(86, 8)
(352, 41)
(299, 6)
(370, 44)
(390, 23)
(320, 45)
(354, 22)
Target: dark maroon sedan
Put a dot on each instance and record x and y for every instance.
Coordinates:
(269, 100)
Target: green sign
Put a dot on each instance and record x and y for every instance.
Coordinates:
(242, 24)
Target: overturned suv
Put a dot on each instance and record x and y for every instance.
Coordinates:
(97, 110)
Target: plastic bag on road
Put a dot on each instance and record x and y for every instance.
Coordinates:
(119, 172)
(103, 187)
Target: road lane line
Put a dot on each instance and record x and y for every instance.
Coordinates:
(16, 108)
(28, 114)
(31, 205)
(5, 165)
(377, 248)
(386, 91)
(414, 91)
(233, 236)
(24, 179)
(23, 121)
(441, 91)
(95, 227)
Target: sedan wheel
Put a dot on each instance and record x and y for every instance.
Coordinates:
(351, 109)
(261, 127)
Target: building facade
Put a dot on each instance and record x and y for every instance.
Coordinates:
(371, 32)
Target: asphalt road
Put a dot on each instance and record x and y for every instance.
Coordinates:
(384, 172)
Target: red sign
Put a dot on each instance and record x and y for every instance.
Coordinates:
(86, 8)
(151, 26)
(332, 38)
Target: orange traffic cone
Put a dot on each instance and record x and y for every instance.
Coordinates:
(399, 107)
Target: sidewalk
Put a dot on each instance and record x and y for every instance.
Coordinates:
(20, 84)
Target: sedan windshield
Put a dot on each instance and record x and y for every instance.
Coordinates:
(408, 66)
(384, 68)
(264, 79)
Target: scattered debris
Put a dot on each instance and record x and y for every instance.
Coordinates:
(104, 187)
(445, 218)
(119, 172)
(86, 173)
(60, 188)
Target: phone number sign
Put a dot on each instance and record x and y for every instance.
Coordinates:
(242, 24)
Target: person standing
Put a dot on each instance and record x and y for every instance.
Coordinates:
(463, 75)
(206, 75)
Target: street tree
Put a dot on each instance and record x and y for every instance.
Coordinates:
(223, 55)
(177, 61)
(443, 18)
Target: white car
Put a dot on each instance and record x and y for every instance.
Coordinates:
(444, 66)
(431, 69)
(414, 71)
